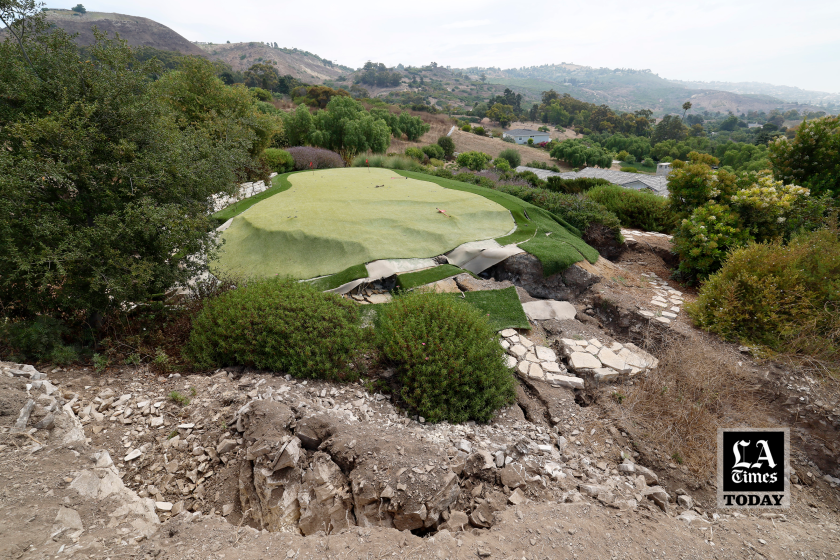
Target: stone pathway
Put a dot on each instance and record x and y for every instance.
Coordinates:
(666, 303)
(536, 362)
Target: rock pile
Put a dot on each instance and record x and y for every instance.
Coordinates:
(592, 357)
(666, 302)
(536, 362)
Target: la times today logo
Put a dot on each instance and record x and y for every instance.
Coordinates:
(753, 468)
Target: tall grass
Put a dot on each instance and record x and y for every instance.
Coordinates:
(388, 162)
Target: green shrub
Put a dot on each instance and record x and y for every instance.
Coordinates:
(501, 164)
(433, 151)
(466, 128)
(784, 297)
(447, 144)
(261, 94)
(532, 179)
(436, 162)
(512, 156)
(279, 325)
(629, 169)
(449, 361)
(387, 162)
(704, 239)
(636, 209)
(573, 186)
(623, 155)
(479, 130)
(279, 161)
(541, 165)
(508, 139)
(530, 141)
(415, 153)
(648, 162)
(36, 340)
(475, 161)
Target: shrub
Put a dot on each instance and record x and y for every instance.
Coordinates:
(279, 325)
(705, 238)
(466, 128)
(476, 161)
(261, 94)
(415, 153)
(530, 141)
(781, 297)
(436, 162)
(508, 139)
(447, 144)
(501, 164)
(433, 151)
(479, 130)
(623, 155)
(630, 169)
(512, 156)
(39, 339)
(812, 157)
(636, 209)
(449, 361)
(387, 162)
(279, 161)
(314, 158)
(648, 162)
(532, 179)
(574, 186)
(541, 165)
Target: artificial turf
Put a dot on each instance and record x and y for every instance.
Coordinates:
(340, 278)
(332, 219)
(409, 280)
(279, 184)
(503, 308)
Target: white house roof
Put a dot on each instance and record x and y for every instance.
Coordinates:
(656, 183)
(525, 132)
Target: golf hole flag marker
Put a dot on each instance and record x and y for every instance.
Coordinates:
(753, 468)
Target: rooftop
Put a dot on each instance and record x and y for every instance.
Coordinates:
(524, 132)
(656, 183)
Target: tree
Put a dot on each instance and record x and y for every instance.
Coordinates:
(669, 128)
(686, 106)
(297, 125)
(483, 77)
(262, 75)
(23, 19)
(345, 127)
(447, 144)
(104, 199)
(79, 9)
(502, 114)
(812, 158)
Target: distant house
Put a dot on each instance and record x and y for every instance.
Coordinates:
(522, 135)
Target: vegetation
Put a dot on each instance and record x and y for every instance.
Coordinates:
(512, 156)
(812, 158)
(574, 186)
(783, 297)
(314, 158)
(279, 161)
(387, 162)
(447, 144)
(280, 325)
(475, 161)
(345, 127)
(577, 154)
(449, 361)
(378, 75)
(410, 280)
(502, 308)
(635, 209)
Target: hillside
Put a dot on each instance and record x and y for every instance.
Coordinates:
(787, 93)
(303, 65)
(137, 31)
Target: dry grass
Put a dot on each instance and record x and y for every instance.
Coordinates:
(561, 135)
(467, 142)
(697, 388)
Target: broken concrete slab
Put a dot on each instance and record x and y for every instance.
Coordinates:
(544, 310)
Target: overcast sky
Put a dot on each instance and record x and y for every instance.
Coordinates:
(774, 41)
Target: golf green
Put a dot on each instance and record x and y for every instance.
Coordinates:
(332, 219)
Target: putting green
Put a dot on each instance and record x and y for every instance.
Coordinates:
(332, 219)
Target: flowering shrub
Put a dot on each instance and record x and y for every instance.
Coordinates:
(314, 158)
(704, 239)
(449, 361)
(766, 206)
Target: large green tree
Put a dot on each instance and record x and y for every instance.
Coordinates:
(812, 158)
(104, 198)
(345, 127)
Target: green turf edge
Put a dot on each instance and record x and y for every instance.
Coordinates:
(279, 183)
(503, 308)
(410, 280)
(340, 278)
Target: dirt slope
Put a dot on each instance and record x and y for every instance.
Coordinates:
(137, 31)
(302, 65)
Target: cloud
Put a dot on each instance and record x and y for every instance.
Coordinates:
(465, 24)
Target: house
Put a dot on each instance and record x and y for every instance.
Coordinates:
(522, 135)
(657, 184)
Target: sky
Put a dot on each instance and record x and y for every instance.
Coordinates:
(774, 41)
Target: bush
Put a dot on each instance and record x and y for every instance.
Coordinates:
(447, 144)
(436, 162)
(415, 153)
(476, 161)
(448, 358)
(630, 169)
(37, 340)
(636, 209)
(279, 161)
(466, 128)
(279, 325)
(387, 162)
(623, 155)
(705, 238)
(501, 164)
(512, 156)
(532, 179)
(314, 158)
(541, 165)
(781, 297)
(574, 186)
(433, 151)
(648, 162)
(479, 130)
(261, 94)
(508, 139)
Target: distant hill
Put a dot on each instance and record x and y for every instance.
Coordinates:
(303, 65)
(136, 31)
(787, 93)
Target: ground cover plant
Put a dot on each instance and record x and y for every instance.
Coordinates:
(449, 362)
(280, 325)
(635, 209)
(782, 297)
(333, 281)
